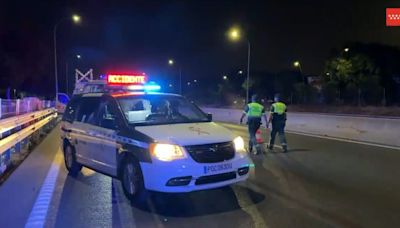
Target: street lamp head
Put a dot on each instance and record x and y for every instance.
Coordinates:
(76, 18)
(346, 50)
(171, 62)
(240, 72)
(234, 33)
(78, 56)
(225, 77)
(296, 63)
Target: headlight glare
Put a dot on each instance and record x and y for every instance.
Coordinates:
(166, 152)
(239, 144)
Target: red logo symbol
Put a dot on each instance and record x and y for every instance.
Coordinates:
(392, 16)
(198, 130)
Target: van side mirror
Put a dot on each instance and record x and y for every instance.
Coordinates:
(209, 117)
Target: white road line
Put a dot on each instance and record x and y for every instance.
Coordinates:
(247, 205)
(123, 206)
(322, 137)
(345, 140)
(37, 218)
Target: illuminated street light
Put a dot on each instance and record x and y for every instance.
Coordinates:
(298, 65)
(195, 81)
(240, 72)
(225, 77)
(234, 34)
(78, 56)
(346, 50)
(76, 19)
(171, 62)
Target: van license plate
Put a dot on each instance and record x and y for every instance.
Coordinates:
(217, 168)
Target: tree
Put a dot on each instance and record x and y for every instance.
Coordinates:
(354, 73)
(251, 84)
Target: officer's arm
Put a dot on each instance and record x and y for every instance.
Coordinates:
(285, 113)
(271, 112)
(246, 109)
(265, 117)
(241, 118)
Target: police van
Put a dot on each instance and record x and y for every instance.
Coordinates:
(149, 140)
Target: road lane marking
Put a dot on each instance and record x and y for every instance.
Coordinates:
(233, 126)
(124, 210)
(345, 140)
(37, 217)
(247, 205)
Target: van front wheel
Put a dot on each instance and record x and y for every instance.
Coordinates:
(132, 180)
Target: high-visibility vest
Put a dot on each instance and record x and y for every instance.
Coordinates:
(279, 108)
(255, 110)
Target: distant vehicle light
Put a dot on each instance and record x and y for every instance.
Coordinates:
(123, 79)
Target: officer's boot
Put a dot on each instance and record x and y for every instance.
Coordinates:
(284, 147)
(257, 149)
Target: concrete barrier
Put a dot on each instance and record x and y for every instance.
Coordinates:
(378, 130)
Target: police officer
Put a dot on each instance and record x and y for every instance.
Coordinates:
(254, 111)
(278, 119)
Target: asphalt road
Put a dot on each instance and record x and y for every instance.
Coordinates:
(318, 183)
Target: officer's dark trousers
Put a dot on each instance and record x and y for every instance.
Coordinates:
(278, 127)
(254, 125)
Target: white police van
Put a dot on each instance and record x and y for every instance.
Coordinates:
(149, 140)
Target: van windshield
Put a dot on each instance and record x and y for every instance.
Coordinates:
(159, 109)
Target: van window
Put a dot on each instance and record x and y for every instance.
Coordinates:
(106, 116)
(87, 109)
(70, 111)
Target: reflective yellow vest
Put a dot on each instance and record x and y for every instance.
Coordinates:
(279, 108)
(255, 110)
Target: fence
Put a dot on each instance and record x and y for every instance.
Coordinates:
(9, 108)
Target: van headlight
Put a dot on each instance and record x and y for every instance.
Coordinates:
(239, 144)
(166, 152)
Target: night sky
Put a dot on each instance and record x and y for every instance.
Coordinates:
(142, 35)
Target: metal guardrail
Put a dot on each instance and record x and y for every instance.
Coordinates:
(9, 108)
(16, 131)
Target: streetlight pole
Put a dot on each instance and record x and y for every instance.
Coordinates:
(66, 77)
(298, 65)
(55, 59)
(171, 62)
(76, 19)
(248, 71)
(180, 80)
(235, 34)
